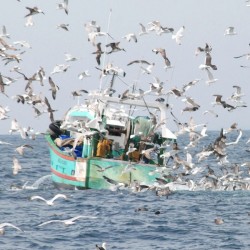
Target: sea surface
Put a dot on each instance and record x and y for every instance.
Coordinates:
(123, 219)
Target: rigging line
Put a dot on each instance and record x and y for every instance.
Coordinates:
(122, 80)
(104, 56)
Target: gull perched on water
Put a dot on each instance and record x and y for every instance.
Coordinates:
(218, 221)
(178, 35)
(48, 202)
(67, 222)
(6, 224)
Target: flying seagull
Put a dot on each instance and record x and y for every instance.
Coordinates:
(63, 6)
(33, 11)
(48, 202)
(54, 88)
(67, 222)
(114, 47)
(98, 53)
(6, 224)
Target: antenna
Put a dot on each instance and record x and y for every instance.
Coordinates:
(104, 57)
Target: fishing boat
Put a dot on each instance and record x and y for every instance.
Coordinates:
(109, 140)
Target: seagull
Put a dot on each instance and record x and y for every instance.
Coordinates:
(138, 61)
(98, 53)
(49, 109)
(51, 201)
(21, 148)
(190, 101)
(29, 21)
(210, 112)
(54, 88)
(163, 30)
(230, 31)
(16, 166)
(211, 78)
(247, 55)
(102, 169)
(114, 185)
(23, 44)
(178, 35)
(208, 62)
(67, 222)
(6, 224)
(102, 247)
(148, 69)
(33, 11)
(15, 127)
(163, 54)
(188, 85)
(143, 30)
(60, 68)
(63, 6)
(79, 92)
(4, 33)
(83, 74)
(130, 36)
(114, 47)
(237, 139)
(63, 26)
(218, 221)
(236, 96)
(5, 143)
(69, 57)
(206, 49)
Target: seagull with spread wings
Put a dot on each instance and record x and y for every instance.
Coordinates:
(54, 88)
(48, 202)
(67, 222)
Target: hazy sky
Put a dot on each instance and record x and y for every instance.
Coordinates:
(205, 21)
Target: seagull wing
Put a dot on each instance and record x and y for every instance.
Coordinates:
(58, 196)
(6, 224)
(50, 221)
(37, 197)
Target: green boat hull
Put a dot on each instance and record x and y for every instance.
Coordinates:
(88, 173)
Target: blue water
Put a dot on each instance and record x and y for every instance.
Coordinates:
(184, 220)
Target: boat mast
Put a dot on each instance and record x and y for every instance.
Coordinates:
(104, 57)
